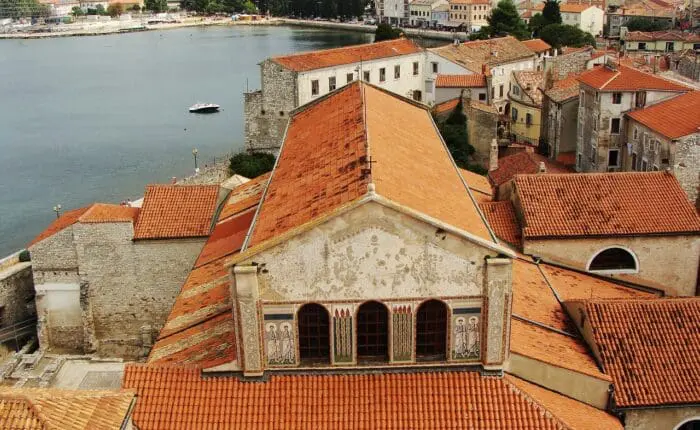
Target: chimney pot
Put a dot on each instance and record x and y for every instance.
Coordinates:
(543, 168)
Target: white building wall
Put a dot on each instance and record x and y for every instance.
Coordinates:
(501, 78)
(444, 94)
(394, 11)
(592, 20)
(444, 67)
(404, 86)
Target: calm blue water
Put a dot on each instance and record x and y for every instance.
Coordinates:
(97, 118)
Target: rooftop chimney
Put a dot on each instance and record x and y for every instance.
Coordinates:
(543, 168)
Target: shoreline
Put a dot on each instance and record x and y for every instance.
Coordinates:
(115, 27)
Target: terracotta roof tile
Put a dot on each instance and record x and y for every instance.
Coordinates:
(479, 184)
(103, 213)
(523, 162)
(319, 169)
(226, 238)
(663, 35)
(48, 408)
(537, 45)
(604, 204)
(556, 349)
(674, 118)
(176, 211)
(460, 81)
(626, 78)
(534, 300)
(650, 348)
(244, 196)
(473, 55)
(306, 61)
(530, 82)
(564, 89)
(501, 217)
(178, 398)
(574, 414)
(446, 106)
(66, 219)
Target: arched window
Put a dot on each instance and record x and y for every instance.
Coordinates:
(613, 259)
(314, 334)
(372, 332)
(431, 331)
(693, 424)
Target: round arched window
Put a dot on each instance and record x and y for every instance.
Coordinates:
(613, 259)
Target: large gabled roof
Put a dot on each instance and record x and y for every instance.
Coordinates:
(474, 55)
(371, 143)
(604, 205)
(625, 78)
(674, 118)
(306, 61)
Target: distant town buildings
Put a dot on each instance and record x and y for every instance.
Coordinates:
(526, 105)
(421, 13)
(395, 12)
(470, 14)
(585, 16)
(657, 11)
(659, 41)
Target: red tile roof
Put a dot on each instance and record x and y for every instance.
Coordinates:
(50, 408)
(244, 196)
(180, 398)
(66, 220)
(103, 213)
(322, 169)
(663, 35)
(350, 54)
(564, 89)
(460, 81)
(604, 204)
(521, 163)
(626, 78)
(501, 217)
(475, 54)
(478, 184)
(650, 348)
(226, 238)
(537, 45)
(176, 211)
(446, 106)
(530, 82)
(674, 118)
(319, 169)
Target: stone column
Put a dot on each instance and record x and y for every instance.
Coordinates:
(244, 296)
(499, 288)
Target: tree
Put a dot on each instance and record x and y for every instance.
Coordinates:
(155, 6)
(136, 8)
(505, 20)
(77, 11)
(251, 164)
(100, 10)
(115, 9)
(386, 32)
(551, 12)
(559, 35)
(646, 24)
(454, 133)
(249, 7)
(23, 8)
(537, 22)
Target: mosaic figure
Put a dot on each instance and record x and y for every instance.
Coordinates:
(460, 339)
(473, 337)
(287, 344)
(272, 340)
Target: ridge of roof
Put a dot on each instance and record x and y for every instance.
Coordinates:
(674, 118)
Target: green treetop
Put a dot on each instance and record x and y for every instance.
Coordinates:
(504, 20)
(551, 12)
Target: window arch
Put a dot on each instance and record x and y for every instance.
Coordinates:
(314, 334)
(613, 259)
(691, 424)
(372, 332)
(431, 331)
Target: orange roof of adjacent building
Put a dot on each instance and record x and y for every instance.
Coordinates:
(537, 45)
(446, 106)
(479, 184)
(650, 348)
(350, 54)
(66, 219)
(176, 211)
(625, 78)
(245, 196)
(460, 81)
(604, 204)
(521, 163)
(647, 36)
(180, 398)
(501, 217)
(674, 118)
(475, 54)
(49, 408)
(101, 213)
(320, 170)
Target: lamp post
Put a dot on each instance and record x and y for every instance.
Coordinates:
(57, 209)
(194, 154)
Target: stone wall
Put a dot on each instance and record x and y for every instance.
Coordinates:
(128, 287)
(16, 293)
(660, 418)
(482, 128)
(559, 67)
(686, 166)
(661, 265)
(687, 65)
(559, 125)
(267, 111)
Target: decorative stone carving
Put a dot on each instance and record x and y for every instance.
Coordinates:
(402, 320)
(342, 335)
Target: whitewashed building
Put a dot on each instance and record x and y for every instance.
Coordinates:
(393, 11)
(289, 82)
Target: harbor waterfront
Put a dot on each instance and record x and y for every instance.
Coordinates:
(98, 118)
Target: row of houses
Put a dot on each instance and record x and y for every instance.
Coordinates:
(464, 15)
